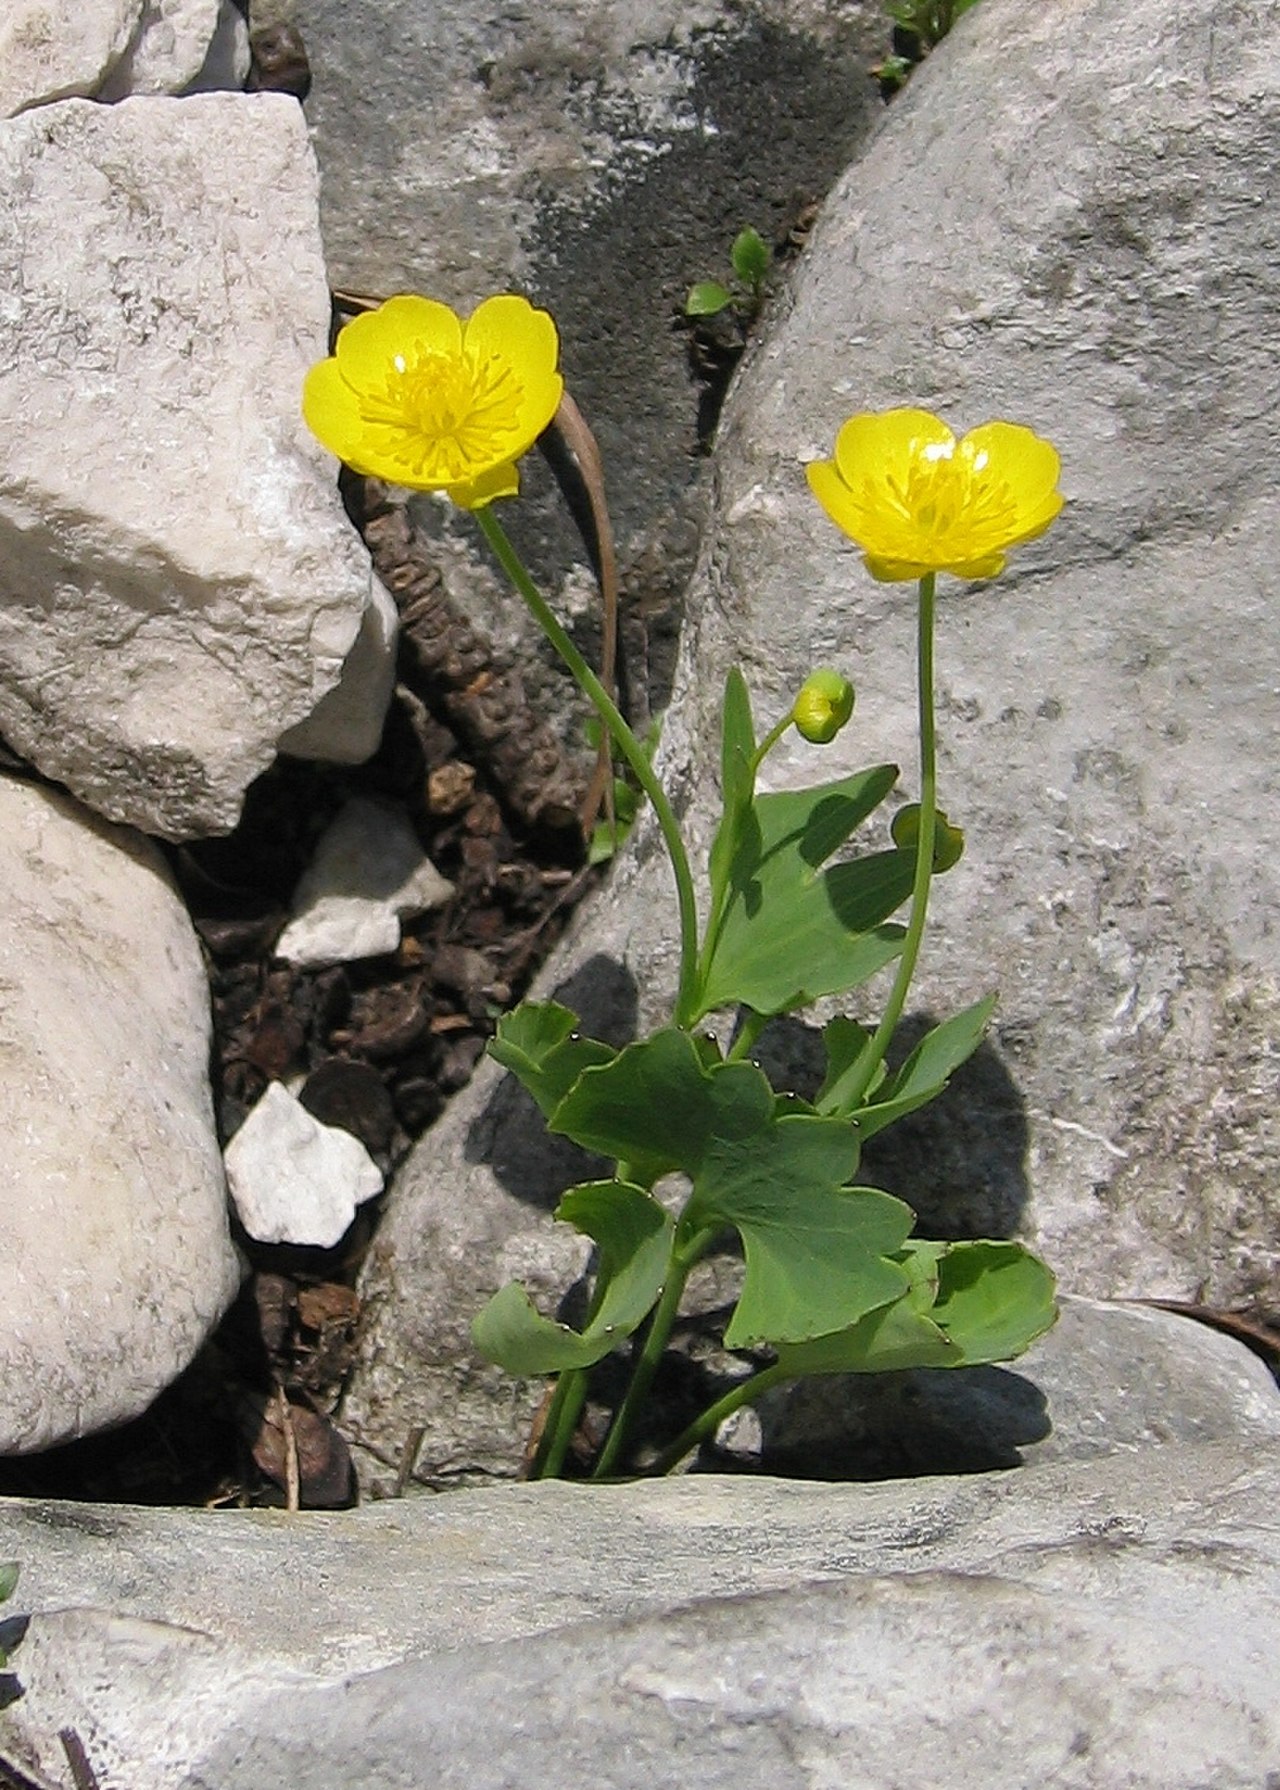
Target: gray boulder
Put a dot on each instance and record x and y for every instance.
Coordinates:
(1082, 1626)
(1011, 243)
(178, 584)
(117, 1262)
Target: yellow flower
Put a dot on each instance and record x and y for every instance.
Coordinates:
(916, 500)
(414, 395)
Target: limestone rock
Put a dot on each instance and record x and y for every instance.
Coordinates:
(178, 45)
(346, 724)
(55, 49)
(369, 872)
(116, 1261)
(1083, 1626)
(178, 584)
(294, 1180)
(1105, 707)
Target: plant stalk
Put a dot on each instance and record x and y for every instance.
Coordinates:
(873, 1054)
(655, 1343)
(627, 744)
(562, 1420)
(704, 1427)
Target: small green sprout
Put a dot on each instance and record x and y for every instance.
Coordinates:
(751, 259)
(609, 832)
(919, 26)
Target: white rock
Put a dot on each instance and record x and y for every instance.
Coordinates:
(170, 46)
(178, 583)
(294, 1180)
(228, 58)
(54, 49)
(346, 725)
(369, 873)
(116, 1261)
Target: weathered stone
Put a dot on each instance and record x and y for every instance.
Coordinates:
(369, 872)
(170, 43)
(1082, 1626)
(116, 1260)
(1105, 1378)
(346, 724)
(178, 584)
(294, 1180)
(56, 49)
(1107, 273)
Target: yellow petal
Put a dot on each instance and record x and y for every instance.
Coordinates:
(331, 410)
(895, 571)
(989, 566)
(883, 445)
(1026, 464)
(371, 345)
(510, 329)
(499, 481)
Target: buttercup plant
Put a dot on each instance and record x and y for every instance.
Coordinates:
(834, 1281)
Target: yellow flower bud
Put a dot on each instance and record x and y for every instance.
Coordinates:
(948, 841)
(823, 706)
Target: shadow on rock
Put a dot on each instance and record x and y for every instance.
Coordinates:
(960, 1162)
(900, 1426)
(511, 1134)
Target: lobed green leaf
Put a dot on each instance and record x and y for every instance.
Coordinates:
(989, 1301)
(921, 1078)
(537, 1041)
(788, 931)
(633, 1234)
(658, 1104)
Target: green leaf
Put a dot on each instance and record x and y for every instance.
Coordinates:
(707, 298)
(657, 1105)
(844, 1041)
(789, 932)
(994, 1299)
(816, 1251)
(922, 1077)
(537, 1042)
(894, 1337)
(633, 1234)
(737, 786)
(989, 1302)
(750, 256)
(738, 743)
(8, 1579)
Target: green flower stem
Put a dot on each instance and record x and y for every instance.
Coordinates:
(562, 1420)
(703, 1428)
(655, 1343)
(770, 740)
(627, 744)
(750, 1026)
(873, 1055)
